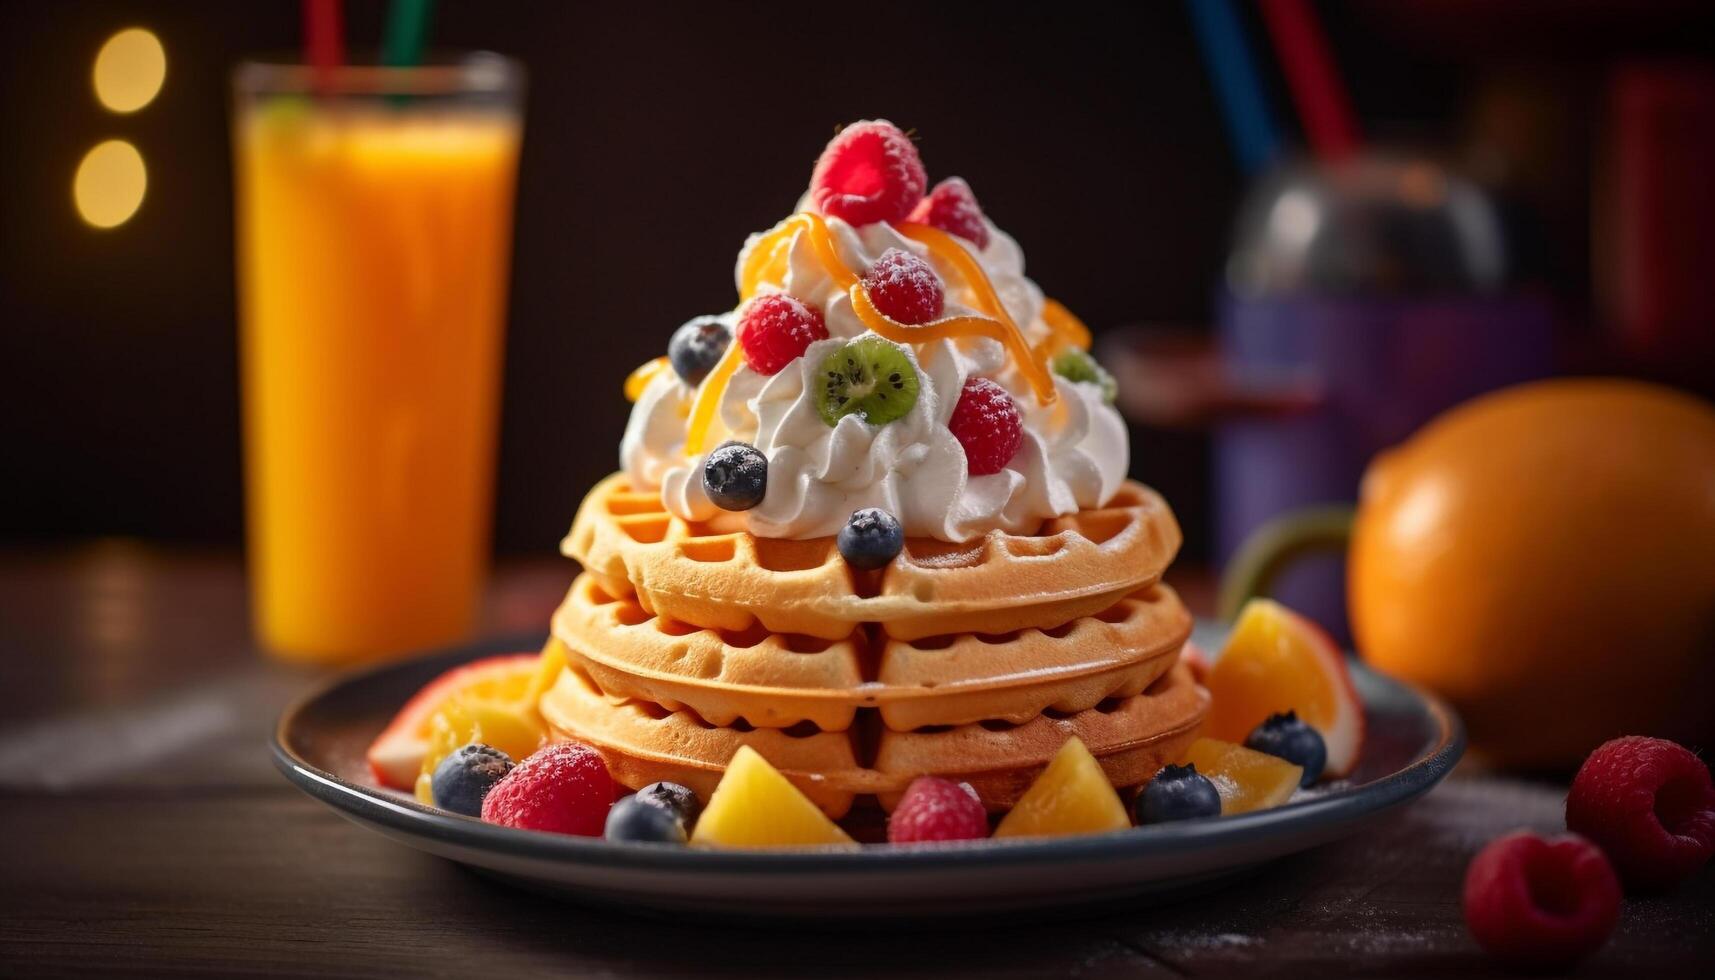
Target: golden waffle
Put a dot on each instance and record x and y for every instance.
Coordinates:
(644, 742)
(1075, 566)
(779, 680)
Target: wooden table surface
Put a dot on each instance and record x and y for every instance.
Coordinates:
(144, 831)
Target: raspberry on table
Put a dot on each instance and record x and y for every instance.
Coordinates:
(986, 422)
(1650, 805)
(869, 172)
(934, 809)
(563, 788)
(1541, 902)
(905, 288)
(775, 329)
(952, 208)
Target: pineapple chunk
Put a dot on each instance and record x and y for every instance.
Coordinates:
(755, 806)
(1246, 779)
(1072, 796)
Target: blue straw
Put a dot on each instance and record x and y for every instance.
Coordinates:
(1255, 137)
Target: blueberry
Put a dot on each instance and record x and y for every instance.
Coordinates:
(464, 777)
(1286, 737)
(735, 476)
(680, 799)
(696, 347)
(637, 819)
(871, 538)
(1178, 793)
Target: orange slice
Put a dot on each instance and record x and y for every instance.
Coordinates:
(505, 683)
(1246, 779)
(1276, 660)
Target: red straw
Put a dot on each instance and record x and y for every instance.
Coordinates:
(1310, 73)
(324, 37)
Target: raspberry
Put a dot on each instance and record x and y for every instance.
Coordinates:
(775, 329)
(564, 789)
(904, 287)
(1541, 902)
(952, 208)
(936, 809)
(870, 172)
(986, 423)
(1649, 803)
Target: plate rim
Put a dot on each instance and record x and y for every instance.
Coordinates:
(373, 806)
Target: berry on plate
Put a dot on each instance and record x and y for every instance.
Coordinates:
(775, 329)
(735, 476)
(755, 806)
(1077, 365)
(987, 425)
(870, 539)
(1541, 903)
(869, 172)
(870, 377)
(463, 778)
(1286, 736)
(396, 756)
(935, 809)
(952, 208)
(563, 789)
(1071, 796)
(672, 796)
(1246, 780)
(634, 818)
(696, 347)
(905, 288)
(1177, 793)
(1277, 661)
(1650, 805)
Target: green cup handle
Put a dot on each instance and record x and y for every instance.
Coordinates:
(1273, 547)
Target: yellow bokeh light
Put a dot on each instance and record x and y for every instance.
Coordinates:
(129, 70)
(110, 184)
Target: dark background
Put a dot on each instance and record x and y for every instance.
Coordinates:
(658, 136)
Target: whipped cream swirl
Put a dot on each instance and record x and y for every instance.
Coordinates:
(1074, 453)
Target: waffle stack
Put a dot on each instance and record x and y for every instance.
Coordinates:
(971, 661)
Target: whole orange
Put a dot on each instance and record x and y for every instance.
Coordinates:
(1544, 557)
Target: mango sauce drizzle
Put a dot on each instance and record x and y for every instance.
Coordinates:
(639, 379)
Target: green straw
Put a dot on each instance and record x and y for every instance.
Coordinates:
(407, 28)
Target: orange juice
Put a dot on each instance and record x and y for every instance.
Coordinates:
(373, 243)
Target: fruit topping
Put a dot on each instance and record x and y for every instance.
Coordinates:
(952, 208)
(774, 330)
(396, 756)
(563, 789)
(1541, 903)
(905, 288)
(1275, 661)
(869, 377)
(937, 810)
(1177, 793)
(1285, 736)
(986, 423)
(463, 778)
(870, 539)
(1650, 805)
(636, 819)
(697, 347)
(1071, 796)
(869, 172)
(681, 799)
(1246, 780)
(755, 806)
(1077, 365)
(735, 476)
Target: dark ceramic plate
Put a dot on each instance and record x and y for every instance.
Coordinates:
(1413, 740)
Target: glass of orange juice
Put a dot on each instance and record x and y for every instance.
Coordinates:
(374, 213)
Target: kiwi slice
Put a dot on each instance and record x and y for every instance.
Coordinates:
(870, 377)
(1077, 365)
